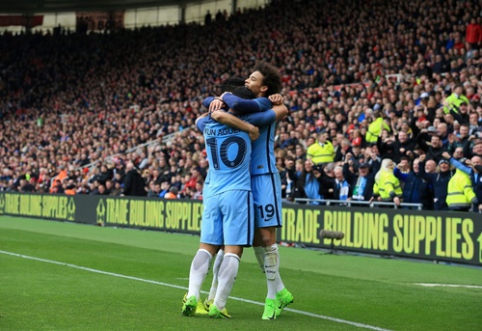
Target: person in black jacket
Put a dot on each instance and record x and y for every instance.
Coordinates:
(416, 189)
(402, 146)
(361, 183)
(434, 149)
(439, 182)
(134, 184)
(310, 183)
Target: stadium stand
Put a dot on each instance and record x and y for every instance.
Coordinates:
(76, 108)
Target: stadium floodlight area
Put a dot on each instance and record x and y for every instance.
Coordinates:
(161, 15)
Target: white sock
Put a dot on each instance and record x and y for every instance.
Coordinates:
(259, 253)
(227, 275)
(199, 269)
(271, 266)
(216, 265)
(278, 281)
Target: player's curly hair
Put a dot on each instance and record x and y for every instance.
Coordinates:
(271, 77)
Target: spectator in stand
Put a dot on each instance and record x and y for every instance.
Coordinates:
(154, 190)
(476, 149)
(343, 190)
(321, 152)
(434, 149)
(375, 128)
(415, 189)
(473, 34)
(134, 184)
(164, 189)
(459, 140)
(361, 183)
(25, 186)
(474, 171)
(198, 192)
(438, 181)
(475, 124)
(403, 145)
(430, 166)
(173, 193)
(307, 184)
(387, 187)
(460, 193)
(101, 190)
(453, 102)
(386, 144)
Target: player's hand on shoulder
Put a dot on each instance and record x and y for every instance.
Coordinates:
(215, 105)
(276, 99)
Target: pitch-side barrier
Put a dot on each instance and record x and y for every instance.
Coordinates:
(421, 234)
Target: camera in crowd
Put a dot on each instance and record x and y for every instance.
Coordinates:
(318, 167)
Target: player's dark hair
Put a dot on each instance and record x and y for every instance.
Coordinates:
(244, 92)
(271, 77)
(230, 84)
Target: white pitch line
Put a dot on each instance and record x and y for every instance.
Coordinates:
(333, 319)
(448, 285)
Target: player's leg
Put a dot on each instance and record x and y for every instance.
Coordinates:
(211, 240)
(199, 269)
(238, 227)
(214, 285)
(227, 276)
(267, 198)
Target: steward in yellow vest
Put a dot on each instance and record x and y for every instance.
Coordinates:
(460, 192)
(387, 186)
(375, 128)
(322, 151)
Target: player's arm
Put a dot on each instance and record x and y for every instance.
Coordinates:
(207, 101)
(201, 121)
(246, 106)
(234, 122)
(281, 112)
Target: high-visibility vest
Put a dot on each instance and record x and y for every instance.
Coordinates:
(460, 191)
(386, 185)
(374, 130)
(454, 102)
(321, 154)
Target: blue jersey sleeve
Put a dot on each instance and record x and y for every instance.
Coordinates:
(260, 119)
(247, 106)
(207, 101)
(201, 123)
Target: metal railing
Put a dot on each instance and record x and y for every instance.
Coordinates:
(372, 204)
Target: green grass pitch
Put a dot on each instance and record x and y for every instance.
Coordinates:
(64, 276)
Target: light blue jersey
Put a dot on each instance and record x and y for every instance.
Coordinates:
(263, 158)
(229, 153)
(266, 183)
(228, 216)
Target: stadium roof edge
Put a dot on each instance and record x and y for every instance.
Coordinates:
(54, 6)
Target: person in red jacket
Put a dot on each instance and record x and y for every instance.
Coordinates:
(473, 34)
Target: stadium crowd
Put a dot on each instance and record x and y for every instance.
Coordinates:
(364, 80)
